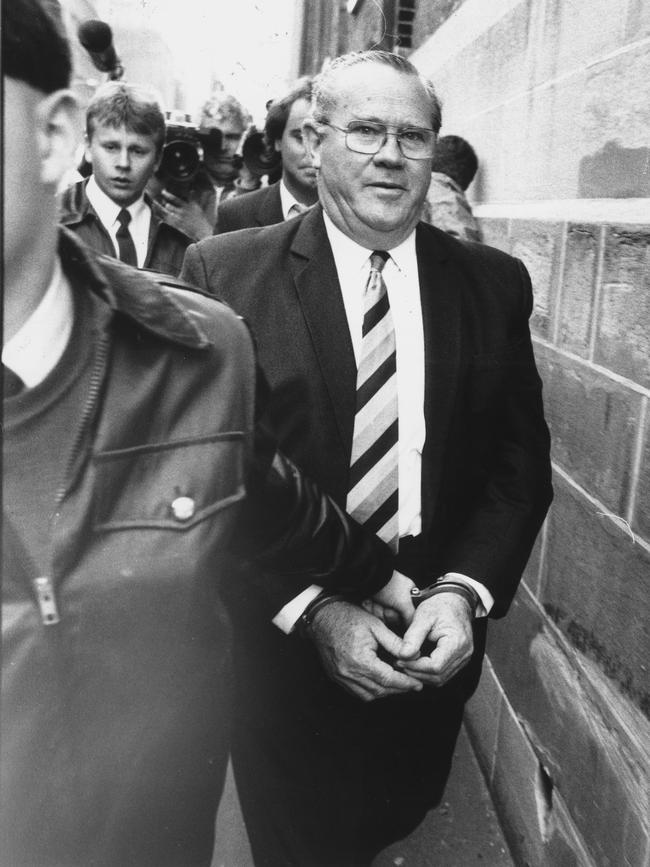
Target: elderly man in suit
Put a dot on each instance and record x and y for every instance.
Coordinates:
(404, 380)
(296, 189)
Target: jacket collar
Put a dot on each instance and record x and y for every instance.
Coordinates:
(146, 298)
(76, 208)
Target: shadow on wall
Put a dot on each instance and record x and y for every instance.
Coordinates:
(615, 172)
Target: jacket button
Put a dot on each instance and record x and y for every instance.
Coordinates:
(183, 508)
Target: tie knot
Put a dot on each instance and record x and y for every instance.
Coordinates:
(297, 208)
(378, 259)
(124, 218)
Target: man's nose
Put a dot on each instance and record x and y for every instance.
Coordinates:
(124, 158)
(390, 152)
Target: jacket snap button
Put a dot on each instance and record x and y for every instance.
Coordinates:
(183, 508)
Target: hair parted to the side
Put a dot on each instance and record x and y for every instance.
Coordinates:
(35, 49)
(280, 108)
(324, 92)
(120, 104)
(455, 157)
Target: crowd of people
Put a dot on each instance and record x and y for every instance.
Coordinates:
(274, 452)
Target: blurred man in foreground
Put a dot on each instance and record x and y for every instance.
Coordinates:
(404, 381)
(136, 473)
(296, 189)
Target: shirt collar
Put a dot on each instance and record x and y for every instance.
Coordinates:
(33, 352)
(344, 249)
(106, 209)
(287, 199)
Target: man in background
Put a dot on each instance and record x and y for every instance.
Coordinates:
(404, 381)
(452, 171)
(110, 211)
(296, 190)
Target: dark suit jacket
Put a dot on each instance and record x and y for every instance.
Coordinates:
(486, 470)
(261, 208)
(485, 491)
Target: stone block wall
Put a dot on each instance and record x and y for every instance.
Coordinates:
(560, 721)
(555, 95)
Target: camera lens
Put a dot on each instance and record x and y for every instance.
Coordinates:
(180, 161)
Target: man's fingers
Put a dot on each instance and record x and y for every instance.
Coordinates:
(387, 639)
(414, 637)
(445, 661)
(171, 199)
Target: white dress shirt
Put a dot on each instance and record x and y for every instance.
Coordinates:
(403, 286)
(107, 211)
(36, 348)
(288, 201)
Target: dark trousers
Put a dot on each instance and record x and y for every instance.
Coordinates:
(324, 779)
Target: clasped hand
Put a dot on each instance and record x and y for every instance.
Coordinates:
(366, 657)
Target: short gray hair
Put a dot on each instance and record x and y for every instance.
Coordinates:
(324, 92)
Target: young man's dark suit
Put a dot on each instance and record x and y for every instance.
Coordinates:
(366, 773)
(261, 208)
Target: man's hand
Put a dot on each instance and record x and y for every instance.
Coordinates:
(348, 640)
(393, 603)
(188, 217)
(446, 621)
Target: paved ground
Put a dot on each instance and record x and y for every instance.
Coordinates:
(462, 832)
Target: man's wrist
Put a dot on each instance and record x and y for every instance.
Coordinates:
(321, 601)
(447, 585)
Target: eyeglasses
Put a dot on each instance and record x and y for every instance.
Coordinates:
(367, 137)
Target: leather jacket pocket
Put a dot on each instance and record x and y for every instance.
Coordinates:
(170, 485)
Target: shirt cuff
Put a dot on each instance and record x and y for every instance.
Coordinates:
(486, 599)
(289, 615)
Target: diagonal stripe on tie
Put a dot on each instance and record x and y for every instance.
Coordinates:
(384, 517)
(375, 415)
(376, 380)
(372, 455)
(375, 314)
(373, 497)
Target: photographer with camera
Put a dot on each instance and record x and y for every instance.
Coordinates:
(232, 161)
(110, 211)
(296, 189)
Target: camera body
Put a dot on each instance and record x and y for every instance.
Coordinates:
(256, 154)
(183, 152)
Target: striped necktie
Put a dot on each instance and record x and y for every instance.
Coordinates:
(373, 486)
(125, 240)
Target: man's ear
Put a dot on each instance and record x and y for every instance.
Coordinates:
(57, 122)
(312, 141)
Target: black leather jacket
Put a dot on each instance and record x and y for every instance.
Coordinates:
(115, 719)
(166, 246)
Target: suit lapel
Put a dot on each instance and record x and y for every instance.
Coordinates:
(441, 291)
(319, 296)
